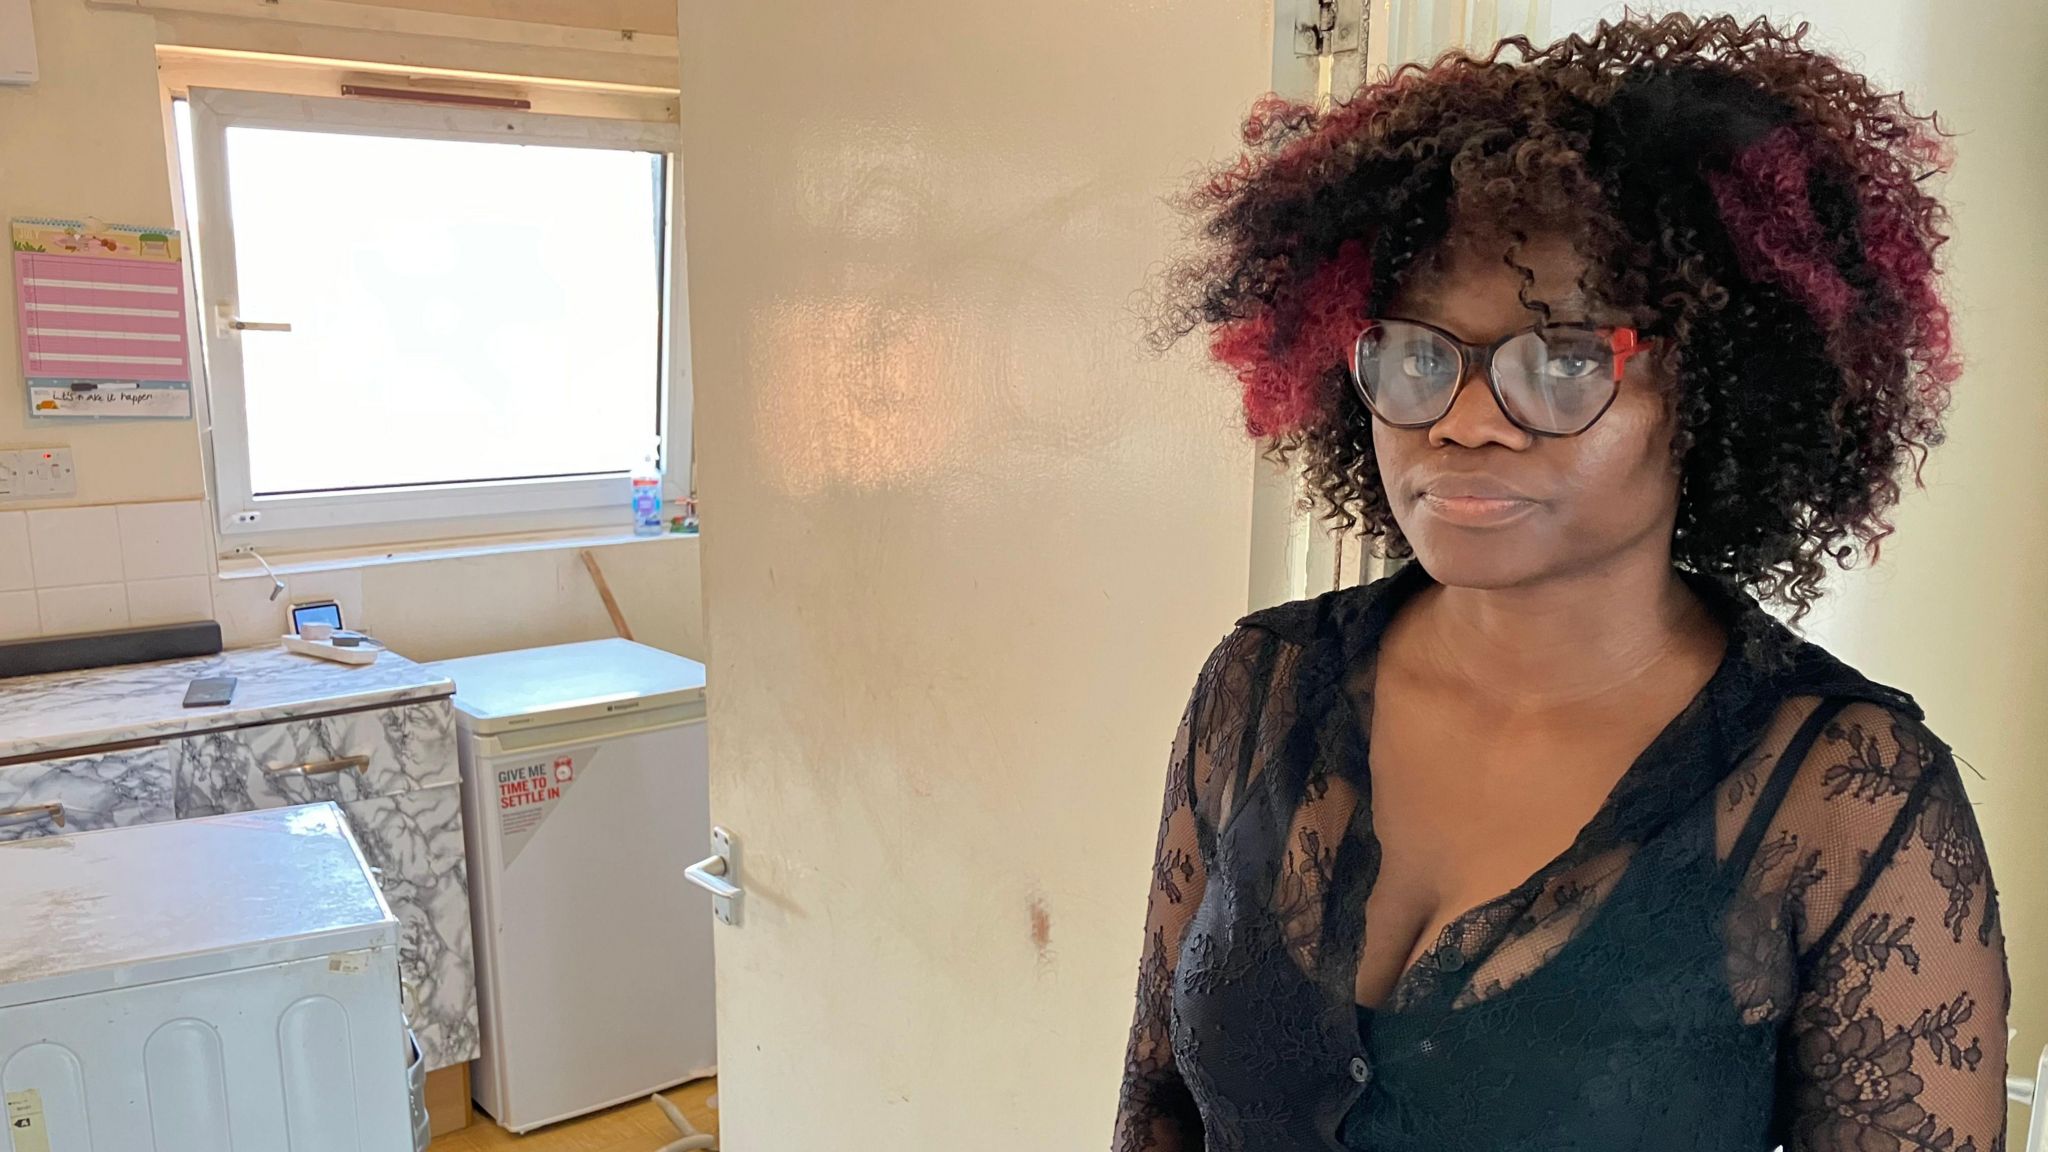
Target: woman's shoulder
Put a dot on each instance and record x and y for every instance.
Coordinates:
(1861, 748)
(1845, 739)
(1298, 621)
(1355, 614)
(1270, 641)
(1246, 657)
(1275, 645)
(1870, 790)
(1847, 782)
(1807, 678)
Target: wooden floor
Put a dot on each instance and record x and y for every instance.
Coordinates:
(638, 1127)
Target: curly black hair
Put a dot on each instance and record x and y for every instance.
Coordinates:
(1745, 198)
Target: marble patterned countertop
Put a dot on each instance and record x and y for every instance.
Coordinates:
(62, 712)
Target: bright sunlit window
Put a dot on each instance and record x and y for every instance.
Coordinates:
(425, 315)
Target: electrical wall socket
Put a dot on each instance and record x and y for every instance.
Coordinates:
(37, 474)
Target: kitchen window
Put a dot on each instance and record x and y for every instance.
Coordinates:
(425, 322)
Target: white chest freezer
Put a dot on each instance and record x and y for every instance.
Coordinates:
(200, 985)
(585, 796)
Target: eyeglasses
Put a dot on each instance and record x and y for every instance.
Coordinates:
(1550, 379)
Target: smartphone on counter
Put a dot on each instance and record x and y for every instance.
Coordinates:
(209, 691)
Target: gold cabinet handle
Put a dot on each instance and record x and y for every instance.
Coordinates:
(53, 812)
(319, 767)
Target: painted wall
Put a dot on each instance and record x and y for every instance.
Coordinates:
(968, 542)
(89, 139)
(1955, 612)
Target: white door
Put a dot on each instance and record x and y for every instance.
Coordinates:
(966, 542)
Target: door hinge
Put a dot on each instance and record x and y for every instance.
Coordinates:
(1328, 27)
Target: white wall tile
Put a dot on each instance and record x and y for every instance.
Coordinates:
(162, 540)
(16, 574)
(246, 613)
(71, 546)
(176, 600)
(83, 608)
(248, 616)
(18, 617)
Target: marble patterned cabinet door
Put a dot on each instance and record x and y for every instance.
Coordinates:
(415, 840)
(353, 756)
(395, 774)
(102, 790)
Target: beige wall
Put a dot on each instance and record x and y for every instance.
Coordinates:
(88, 140)
(1957, 612)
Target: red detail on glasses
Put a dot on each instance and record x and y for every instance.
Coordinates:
(1624, 343)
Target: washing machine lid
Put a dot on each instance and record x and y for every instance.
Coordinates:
(130, 906)
(537, 687)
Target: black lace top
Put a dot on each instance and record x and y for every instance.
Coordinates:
(1779, 929)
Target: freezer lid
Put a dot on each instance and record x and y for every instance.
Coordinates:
(532, 687)
(127, 906)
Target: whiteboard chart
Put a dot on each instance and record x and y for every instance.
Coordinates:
(102, 321)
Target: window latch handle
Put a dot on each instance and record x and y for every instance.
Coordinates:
(226, 321)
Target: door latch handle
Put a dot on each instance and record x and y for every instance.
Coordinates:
(715, 875)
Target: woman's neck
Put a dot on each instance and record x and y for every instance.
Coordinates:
(1567, 640)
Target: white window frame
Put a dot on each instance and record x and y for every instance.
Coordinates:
(425, 513)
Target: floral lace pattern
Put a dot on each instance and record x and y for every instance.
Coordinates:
(1780, 929)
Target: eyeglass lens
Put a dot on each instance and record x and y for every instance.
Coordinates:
(1556, 380)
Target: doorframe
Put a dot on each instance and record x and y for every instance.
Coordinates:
(1295, 554)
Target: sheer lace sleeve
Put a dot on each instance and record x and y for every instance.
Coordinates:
(1897, 1038)
(1156, 1112)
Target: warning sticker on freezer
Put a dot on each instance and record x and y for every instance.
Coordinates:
(528, 793)
(25, 1121)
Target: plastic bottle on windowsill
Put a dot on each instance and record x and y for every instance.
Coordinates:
(647, 493)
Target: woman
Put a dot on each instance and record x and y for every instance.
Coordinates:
(1557, 840)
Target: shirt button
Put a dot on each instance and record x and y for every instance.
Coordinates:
(1450, 959)
(1360, 1071)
